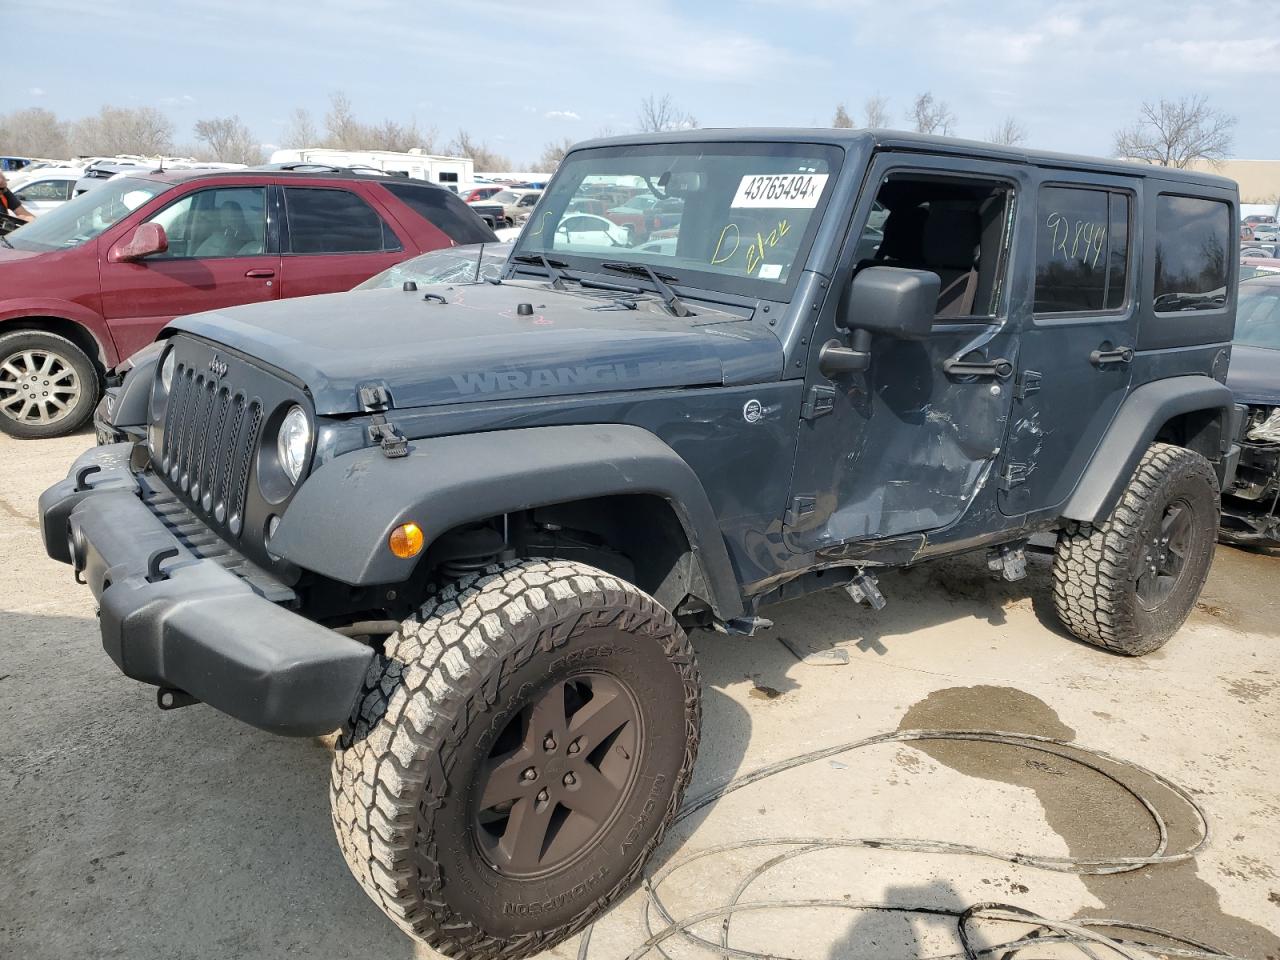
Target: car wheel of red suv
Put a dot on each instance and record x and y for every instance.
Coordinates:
(48, 385)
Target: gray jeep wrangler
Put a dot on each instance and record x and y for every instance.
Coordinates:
(472, 525)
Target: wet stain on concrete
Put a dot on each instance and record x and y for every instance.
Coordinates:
(24, 518)
(1252, 689)
(1094, 816)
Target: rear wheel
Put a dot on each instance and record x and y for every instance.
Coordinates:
(1128, 584)
(516, 757)
(48, 385)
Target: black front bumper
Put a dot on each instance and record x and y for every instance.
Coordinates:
(173, 618)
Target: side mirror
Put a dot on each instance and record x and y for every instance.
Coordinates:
(147, 240)
(892, 301)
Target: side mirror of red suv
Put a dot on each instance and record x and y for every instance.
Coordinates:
(148, 239)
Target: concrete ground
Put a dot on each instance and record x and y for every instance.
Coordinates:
(127, 832)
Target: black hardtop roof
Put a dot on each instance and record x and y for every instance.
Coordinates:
(901, 140)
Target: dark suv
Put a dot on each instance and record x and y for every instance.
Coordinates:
(475, 530)
(91, 282)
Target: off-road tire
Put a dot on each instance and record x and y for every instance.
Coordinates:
(41, 342)
(1097, 566)
(403, 788)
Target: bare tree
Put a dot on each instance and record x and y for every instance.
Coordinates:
(842, 120)
(552, 154)
(930, 115)
(464, 145)
(301, 131)
(122, 130)
(660, 114)
(342, 129)
(1175, 133)
(1010, 133)
(34, 132)
(229, 140)
(875, 112)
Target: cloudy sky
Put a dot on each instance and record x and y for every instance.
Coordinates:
(519, 74)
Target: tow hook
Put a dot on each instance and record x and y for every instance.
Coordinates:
(167, 698)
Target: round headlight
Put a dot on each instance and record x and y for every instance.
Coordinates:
(166, 370)
(292, 442)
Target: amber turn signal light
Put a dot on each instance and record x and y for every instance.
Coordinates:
(406, 540)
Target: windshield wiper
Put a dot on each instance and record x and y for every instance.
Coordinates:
(659, 280)
(554, 268)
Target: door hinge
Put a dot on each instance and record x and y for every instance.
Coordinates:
(1013, 475)
(800, 508)
(820, 401)
(1028, 383)
(375, 399)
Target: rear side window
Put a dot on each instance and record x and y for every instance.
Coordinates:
(334, 221)
(47, 190)
(1082, 250)
(1193, 253)
(445, 210)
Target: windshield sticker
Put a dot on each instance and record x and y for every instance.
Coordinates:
(770, 271)
(790, 191)
(731, 241)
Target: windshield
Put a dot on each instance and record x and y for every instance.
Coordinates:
(734, 217)
(1258, 315)
(506, 196)
(85, 216)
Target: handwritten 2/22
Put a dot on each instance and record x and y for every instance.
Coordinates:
(731, 241)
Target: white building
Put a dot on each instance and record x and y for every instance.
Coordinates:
(448, 171)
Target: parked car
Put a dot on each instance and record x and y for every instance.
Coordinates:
(588, 230)
(478, 191)
(46, 188)
(516, 204)
(475, 530)
(13, 164)
(1267, 232)
(1251, 505)
(96, 279)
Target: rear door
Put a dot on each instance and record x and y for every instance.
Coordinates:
(219, 256)
(1076, 359)
(332, 239)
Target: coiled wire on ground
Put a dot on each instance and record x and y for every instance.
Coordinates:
(1086, 934)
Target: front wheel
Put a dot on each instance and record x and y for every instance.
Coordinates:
(1129, 583)
(48, 385)
(516, 757)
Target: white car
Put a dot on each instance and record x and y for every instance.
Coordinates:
(46, 188)
(589, 230)
(1266, 232)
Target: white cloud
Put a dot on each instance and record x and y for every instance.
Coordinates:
(183, 101)
(561, 115)
(36, 91)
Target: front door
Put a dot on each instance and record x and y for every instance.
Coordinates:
(217, 257)
(1077, 349)
(905, 447)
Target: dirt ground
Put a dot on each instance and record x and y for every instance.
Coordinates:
(128, 832)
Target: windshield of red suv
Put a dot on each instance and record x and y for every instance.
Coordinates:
(733, 217)
(86, 216)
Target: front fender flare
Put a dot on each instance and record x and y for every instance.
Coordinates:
(1147, 409)
(338, 522)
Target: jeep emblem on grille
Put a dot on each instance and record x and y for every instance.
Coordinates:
(218, 367)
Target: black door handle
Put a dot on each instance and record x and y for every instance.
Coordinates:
(1105, 355)
(1000, 368)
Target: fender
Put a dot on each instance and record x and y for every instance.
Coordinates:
(30, 307)
(339, 520)
(1147, 409)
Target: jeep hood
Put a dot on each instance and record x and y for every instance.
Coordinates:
(479, 345)
(1254, 375)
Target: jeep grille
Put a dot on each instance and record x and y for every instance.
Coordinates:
(210, 434)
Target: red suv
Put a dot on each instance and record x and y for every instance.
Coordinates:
(89, 283)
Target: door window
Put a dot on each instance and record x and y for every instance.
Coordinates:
(1082, 250)
(1193, 253)
(47, 190)
(334, 221)
(223, 222)
(956, 228)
